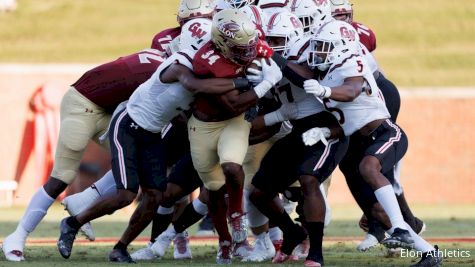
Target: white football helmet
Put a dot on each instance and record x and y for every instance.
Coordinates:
(320, 17)
(271, 7)
(257, 16)
(307, 9)
(238, 3)
(331, 43)
(342, 10)
(235, 35)
(190, 9)
(282, 29)
(194, 34)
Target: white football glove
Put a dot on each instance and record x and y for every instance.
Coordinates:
(287, 111)
(253, 75)
(271, 76)
(315, 88)
(314, 135)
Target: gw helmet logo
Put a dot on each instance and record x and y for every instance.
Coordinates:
(349, 34)
(229, 29)
(196, 31)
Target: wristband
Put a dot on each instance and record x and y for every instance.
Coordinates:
(326, 132)
(241, 84)
(273, 118)
(328, 92)
(262, 88)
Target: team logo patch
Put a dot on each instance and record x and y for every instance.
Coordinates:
(229, 29)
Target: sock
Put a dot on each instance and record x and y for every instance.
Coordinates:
(35, 212)
(120, 246)
(285, 223)
(192, 214)
(419, 243)
(275, 234)
(234, 200)
(315, 234)
(161, 221)
(217, 210)
(73, 222)
(106, 184)
(386, 197)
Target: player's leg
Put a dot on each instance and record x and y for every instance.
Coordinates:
(386, 145)
(391, 95)
(232, 148)
(124, 150)
(77, 127)
(276, 173)
(204, 138)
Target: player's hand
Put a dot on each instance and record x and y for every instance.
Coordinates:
(315, 88)
(263, 49)
(315, 135)
(287, 111)
(271, 71)
(271, 76)
(255, 75)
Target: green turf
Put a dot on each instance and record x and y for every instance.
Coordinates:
(442, 221)
(420, 43)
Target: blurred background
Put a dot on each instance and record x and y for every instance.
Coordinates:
(426, 47)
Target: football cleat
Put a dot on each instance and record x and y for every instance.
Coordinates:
(13, 246)
(144, 254)
(242, 249)
(301, 250)
(430, 259)
(311, 263)
(280, 257)
(224, 255)
(263, 250)
(369, 242)
(120, 255)
(74, 205)
(181, 248)
(400, 238)
(66, 239)
(163, 241)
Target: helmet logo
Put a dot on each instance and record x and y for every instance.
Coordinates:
(196, 31)
(320, 2)
(348, 34)
(229, 29)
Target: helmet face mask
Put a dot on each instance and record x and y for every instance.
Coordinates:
(333, 41)
(342, 10)
(282, 30)
(239, 3)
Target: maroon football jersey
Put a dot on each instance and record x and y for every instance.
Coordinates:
(367, 36)
(209, 63)
(163, 39)
(109, 84)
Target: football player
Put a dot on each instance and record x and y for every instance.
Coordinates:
(85, 114)
(217, 129)
(136, 132)
(347, 87)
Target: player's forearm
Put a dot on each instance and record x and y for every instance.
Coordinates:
(295, 73)
(346, 92)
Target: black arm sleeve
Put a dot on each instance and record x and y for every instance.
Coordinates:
(288, 73)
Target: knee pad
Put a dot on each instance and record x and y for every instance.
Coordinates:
(74, 134)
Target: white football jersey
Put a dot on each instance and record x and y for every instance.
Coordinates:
(372, 64)
(154, 103)
(367, 107)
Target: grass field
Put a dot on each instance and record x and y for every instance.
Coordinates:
(420, 43)
(444, 222)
